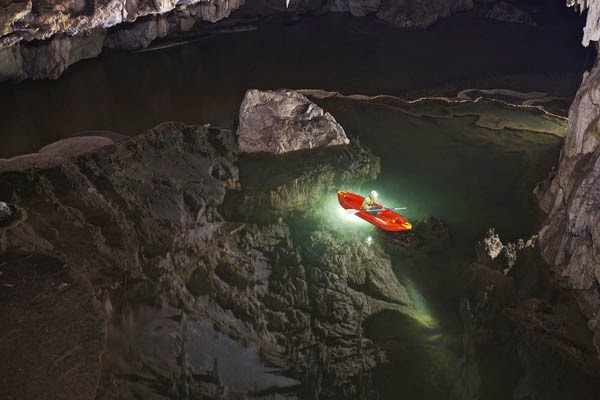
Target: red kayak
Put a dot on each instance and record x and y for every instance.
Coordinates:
(386, 219)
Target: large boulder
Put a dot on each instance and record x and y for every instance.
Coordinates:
(283, 120)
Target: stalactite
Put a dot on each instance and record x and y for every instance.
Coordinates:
(591, 31)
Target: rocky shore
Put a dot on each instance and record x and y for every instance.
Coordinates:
(125, 279)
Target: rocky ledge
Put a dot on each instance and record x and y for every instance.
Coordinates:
(128, 277)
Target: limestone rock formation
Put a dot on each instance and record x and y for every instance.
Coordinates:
(419, 13)
(38, 20)
(40, 40)
(570, 236)
(56, 153)
(29, 20)
(173, 296)
(275, 185)
(49, 59)
(519, 316)
(503, 257)
(281, 121)
(591, 31)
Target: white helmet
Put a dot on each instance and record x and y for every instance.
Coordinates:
(373, 194)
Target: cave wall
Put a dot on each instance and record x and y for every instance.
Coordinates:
(41, 39)
(37, 20)
(570, 236)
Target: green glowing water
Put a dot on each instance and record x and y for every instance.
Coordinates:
(445, 164)
(471, 177)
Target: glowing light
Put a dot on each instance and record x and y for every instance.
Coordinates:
(346, 215)
(369, 240)
(338, 218)
(422, 313)
(426, 320)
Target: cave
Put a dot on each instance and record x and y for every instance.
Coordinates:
(293, 199)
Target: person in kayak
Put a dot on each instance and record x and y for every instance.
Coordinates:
(369, 203)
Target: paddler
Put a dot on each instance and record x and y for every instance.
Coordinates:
(369, 203)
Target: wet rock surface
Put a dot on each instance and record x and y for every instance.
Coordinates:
(56, 153)
(53, 329)
(284, 120)
(275, 186)
(40, 40)
(428, 234)
(517, 314)
(570, 236)
(175, 299)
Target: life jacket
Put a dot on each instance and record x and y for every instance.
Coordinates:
(368, 202)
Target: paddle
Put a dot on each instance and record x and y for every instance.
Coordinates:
(353, 211)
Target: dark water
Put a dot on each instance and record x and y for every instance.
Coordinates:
(205, 81)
